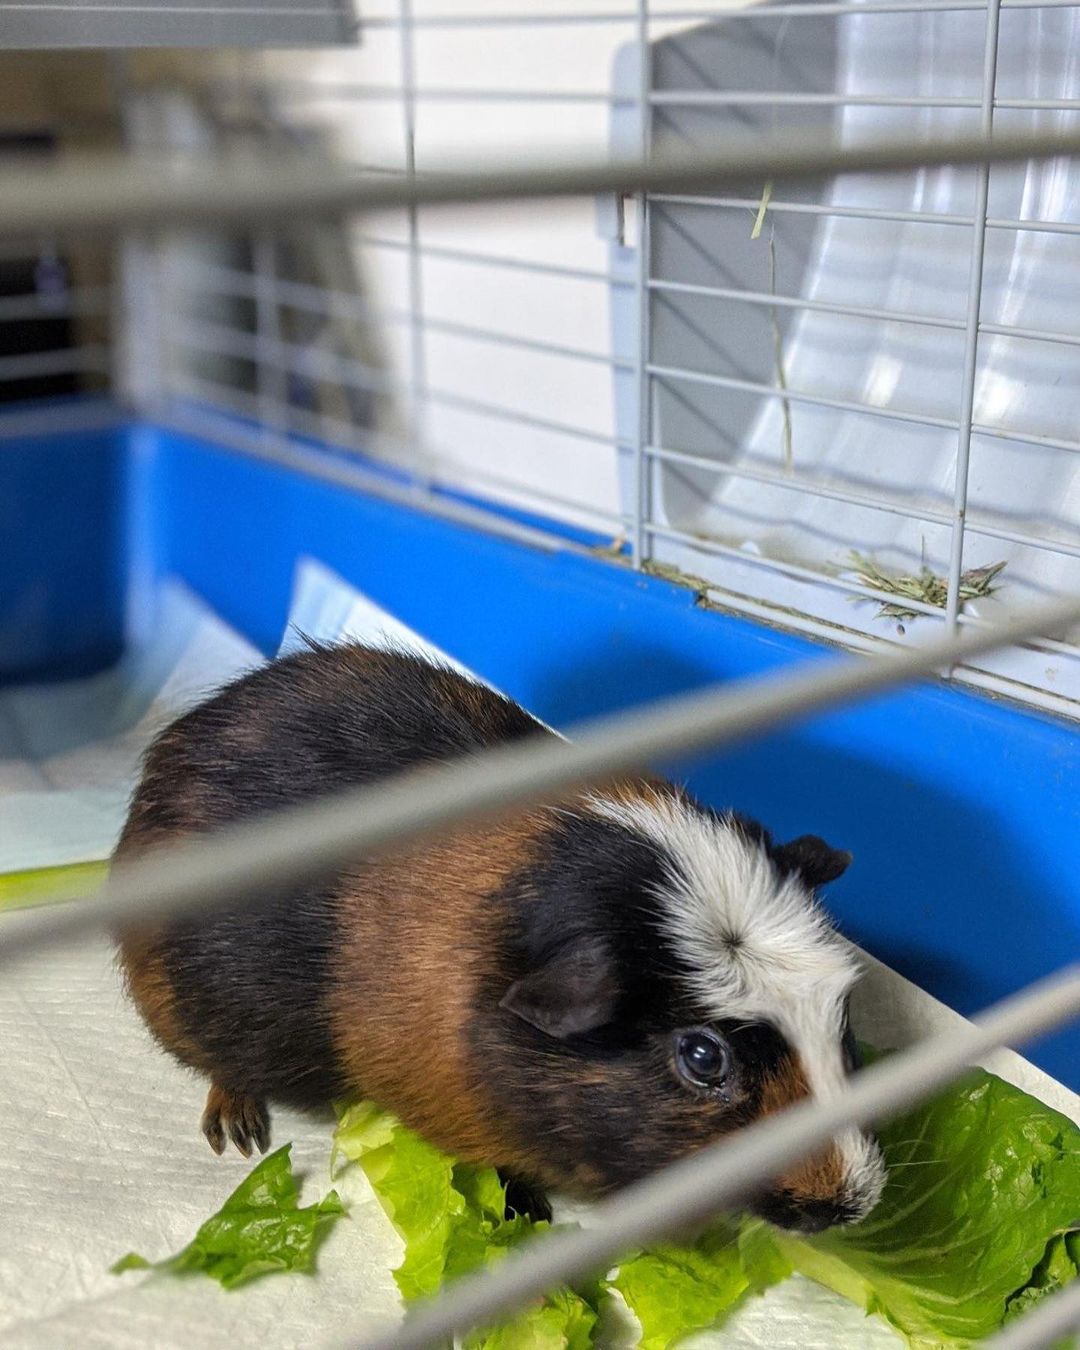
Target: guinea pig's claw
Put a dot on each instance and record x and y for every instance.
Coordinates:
(261, 1131)
(215, 1135)
(242, 1118)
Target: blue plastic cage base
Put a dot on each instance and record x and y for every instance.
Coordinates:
(962, 813)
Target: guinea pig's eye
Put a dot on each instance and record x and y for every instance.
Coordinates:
(702, 1058)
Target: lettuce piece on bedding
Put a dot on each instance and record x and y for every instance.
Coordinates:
(259, 1229)
(452, 1217)
(675, 1290)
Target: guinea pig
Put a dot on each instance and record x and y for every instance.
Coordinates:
(578, 993)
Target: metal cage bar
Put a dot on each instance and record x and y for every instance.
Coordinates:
(68, 199)
(971, 334)
(408, 95)
(642, 508)
(269, 377)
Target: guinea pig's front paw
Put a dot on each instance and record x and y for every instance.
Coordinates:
(243, 1118)
(524, 1197)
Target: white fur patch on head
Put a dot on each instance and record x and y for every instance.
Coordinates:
(757, 948)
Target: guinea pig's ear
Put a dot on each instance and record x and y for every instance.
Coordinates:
(572, 993)
(813, 859)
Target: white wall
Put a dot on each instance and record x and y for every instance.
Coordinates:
(550, 56)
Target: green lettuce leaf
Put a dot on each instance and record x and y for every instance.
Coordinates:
(762, 1261)
(452, 1218)
(1057, 1269)
(674, 1290)
(984, 1182)
(564, 1321)
(259, 1229)
(980, 1220)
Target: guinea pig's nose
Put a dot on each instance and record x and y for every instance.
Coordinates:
(803, 1216)
(818, 1215)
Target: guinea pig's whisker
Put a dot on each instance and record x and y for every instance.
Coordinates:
(912, 1144)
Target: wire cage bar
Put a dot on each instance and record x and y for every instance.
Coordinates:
(66, 24)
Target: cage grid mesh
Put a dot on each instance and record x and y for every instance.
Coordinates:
(527, 356)
(606, 469)
(243, 372)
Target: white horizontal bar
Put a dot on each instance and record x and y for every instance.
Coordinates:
(318, 90)
(326, 301)
(1026, 437)
(448, 399)
(799, 485)
(113, 192)
(710, 201)
(476, 257)
(829, 209)
(782, 98)
(677, 373)
(1031, 334)
(38, 305)
(503, 339)
(717, 14)
(725, 1175)
(717, 549)
(768, 300)
(1034, 226)
(92, 358)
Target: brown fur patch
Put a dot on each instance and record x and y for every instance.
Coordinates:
(149, 988)
(417, 936)
(820, 1177)
(145, 977)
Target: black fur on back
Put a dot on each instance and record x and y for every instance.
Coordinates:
(251, 986)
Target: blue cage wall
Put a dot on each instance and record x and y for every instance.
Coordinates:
(962, 812)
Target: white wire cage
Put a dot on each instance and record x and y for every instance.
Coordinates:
(742, 411)
(792, 401)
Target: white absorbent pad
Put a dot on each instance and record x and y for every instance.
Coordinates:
(69, 753)
(102, 1152)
